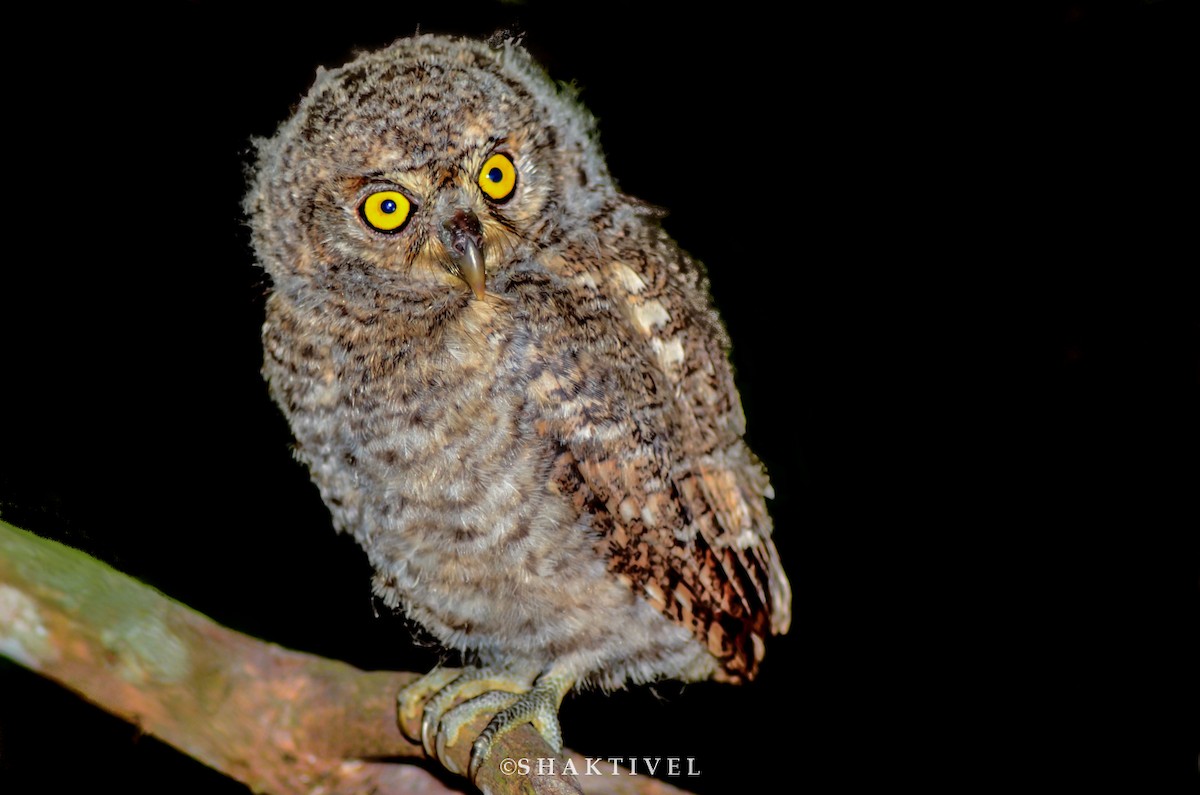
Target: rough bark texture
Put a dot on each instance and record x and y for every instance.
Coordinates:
(280, 721)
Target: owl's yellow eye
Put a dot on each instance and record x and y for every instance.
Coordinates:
(498, 177)
(386, 210)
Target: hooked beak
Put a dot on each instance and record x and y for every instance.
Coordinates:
(463, 239)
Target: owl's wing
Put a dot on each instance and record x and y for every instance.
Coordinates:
(648, 433)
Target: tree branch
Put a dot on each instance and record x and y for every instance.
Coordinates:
(279, 721)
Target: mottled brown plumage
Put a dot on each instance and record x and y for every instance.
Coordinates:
(518, 400)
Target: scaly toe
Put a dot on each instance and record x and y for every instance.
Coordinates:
(454, 720)
(539, 706)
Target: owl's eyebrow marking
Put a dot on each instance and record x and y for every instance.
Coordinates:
(353, 183)
(380, 175)
(387, 174)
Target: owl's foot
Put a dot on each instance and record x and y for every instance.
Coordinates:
(448, 700)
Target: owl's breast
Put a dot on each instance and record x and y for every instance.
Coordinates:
(430, 414)
(399, 407)
(418, 438)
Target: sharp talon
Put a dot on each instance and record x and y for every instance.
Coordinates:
(446, 761)
(479, 751)
(440, 749)
(429, 726)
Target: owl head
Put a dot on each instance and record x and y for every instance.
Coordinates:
(427, 166)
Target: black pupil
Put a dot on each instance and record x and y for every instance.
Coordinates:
(388, 206)
(496, 175)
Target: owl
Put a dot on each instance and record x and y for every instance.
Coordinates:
(510, 387)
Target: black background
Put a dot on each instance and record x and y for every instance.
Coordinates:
(950, 249)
